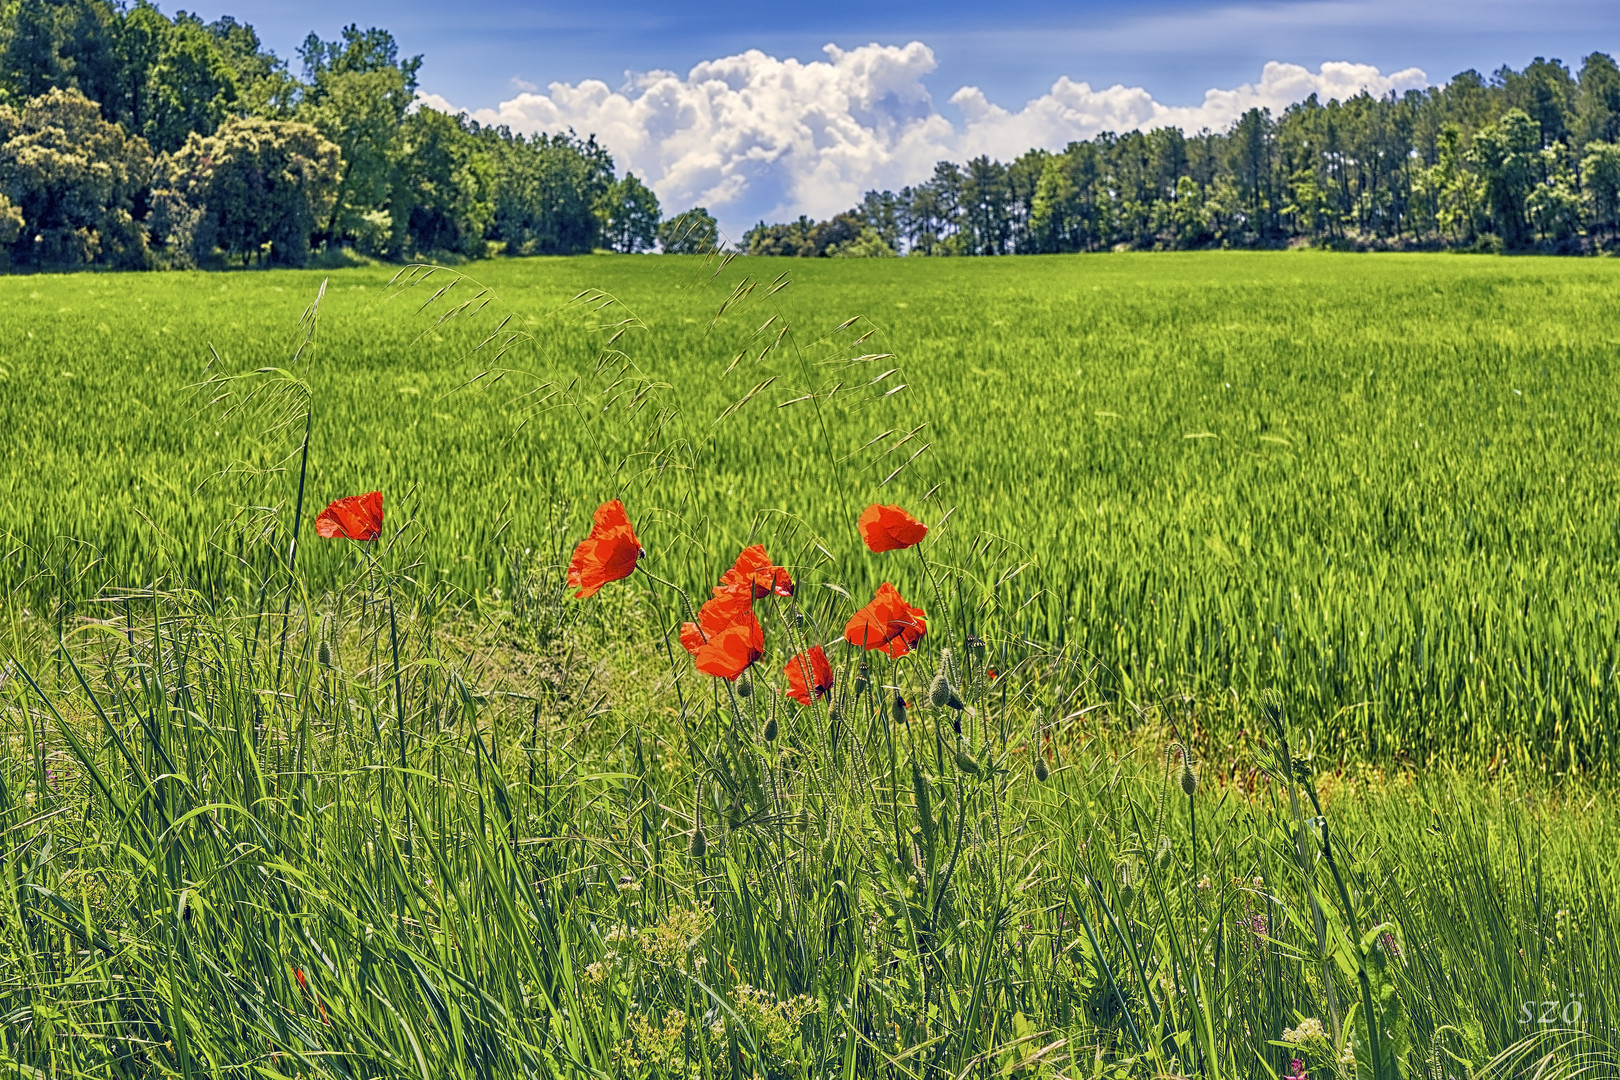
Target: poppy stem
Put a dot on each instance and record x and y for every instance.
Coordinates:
(933, 583)
(676, 589)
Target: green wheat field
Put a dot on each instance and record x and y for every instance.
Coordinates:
(1279, 589)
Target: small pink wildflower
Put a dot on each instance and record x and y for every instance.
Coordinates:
(1296, 1070)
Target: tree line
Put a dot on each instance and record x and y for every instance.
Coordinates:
(132, 139)
(1520, 161)
(129, 139)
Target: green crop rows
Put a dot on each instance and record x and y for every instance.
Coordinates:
(1383, 485)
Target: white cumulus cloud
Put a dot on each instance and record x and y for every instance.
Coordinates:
(754, 137)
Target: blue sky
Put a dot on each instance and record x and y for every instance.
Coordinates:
(1176, 49)
(791, 128)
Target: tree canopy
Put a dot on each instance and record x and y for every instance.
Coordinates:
(130, 138)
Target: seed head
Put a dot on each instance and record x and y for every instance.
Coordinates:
(323, 653)
(863, 678)
(835, 712)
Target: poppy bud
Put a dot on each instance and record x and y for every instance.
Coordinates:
(835, 712)
(1189, 778)
(863, 678)
(956, 724)
(1041, 771)
(966, 763)
(700, 843)
(771, 728)
(898, 712)
(941, 693)
(745, 685)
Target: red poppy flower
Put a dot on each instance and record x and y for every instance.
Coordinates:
(753, 568)
(608, 553)
(733, 650)
(889, 528)
(727, 638)
(809, 675)
(357, 517)
(714, 616)
(887, 623)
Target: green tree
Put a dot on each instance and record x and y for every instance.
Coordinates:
(1545, 92)
(1249, 157)
(986, 208)
(1307, 205)
(1051, 209)
(358, 94)
(1554, 205)
(790, 238)
(258, 184)
(1600, 173)
(546, 191)
(74, 178)
(691, 232)
(191, 88)
(264, 86)
(881, 211)
(1507, 155)
(61, 44)
(869, 244)
(1597, 103)
(141, 36)
(1454, 192)
(628, 212)
(446, 184)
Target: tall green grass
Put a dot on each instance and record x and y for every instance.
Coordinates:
(412, 855)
